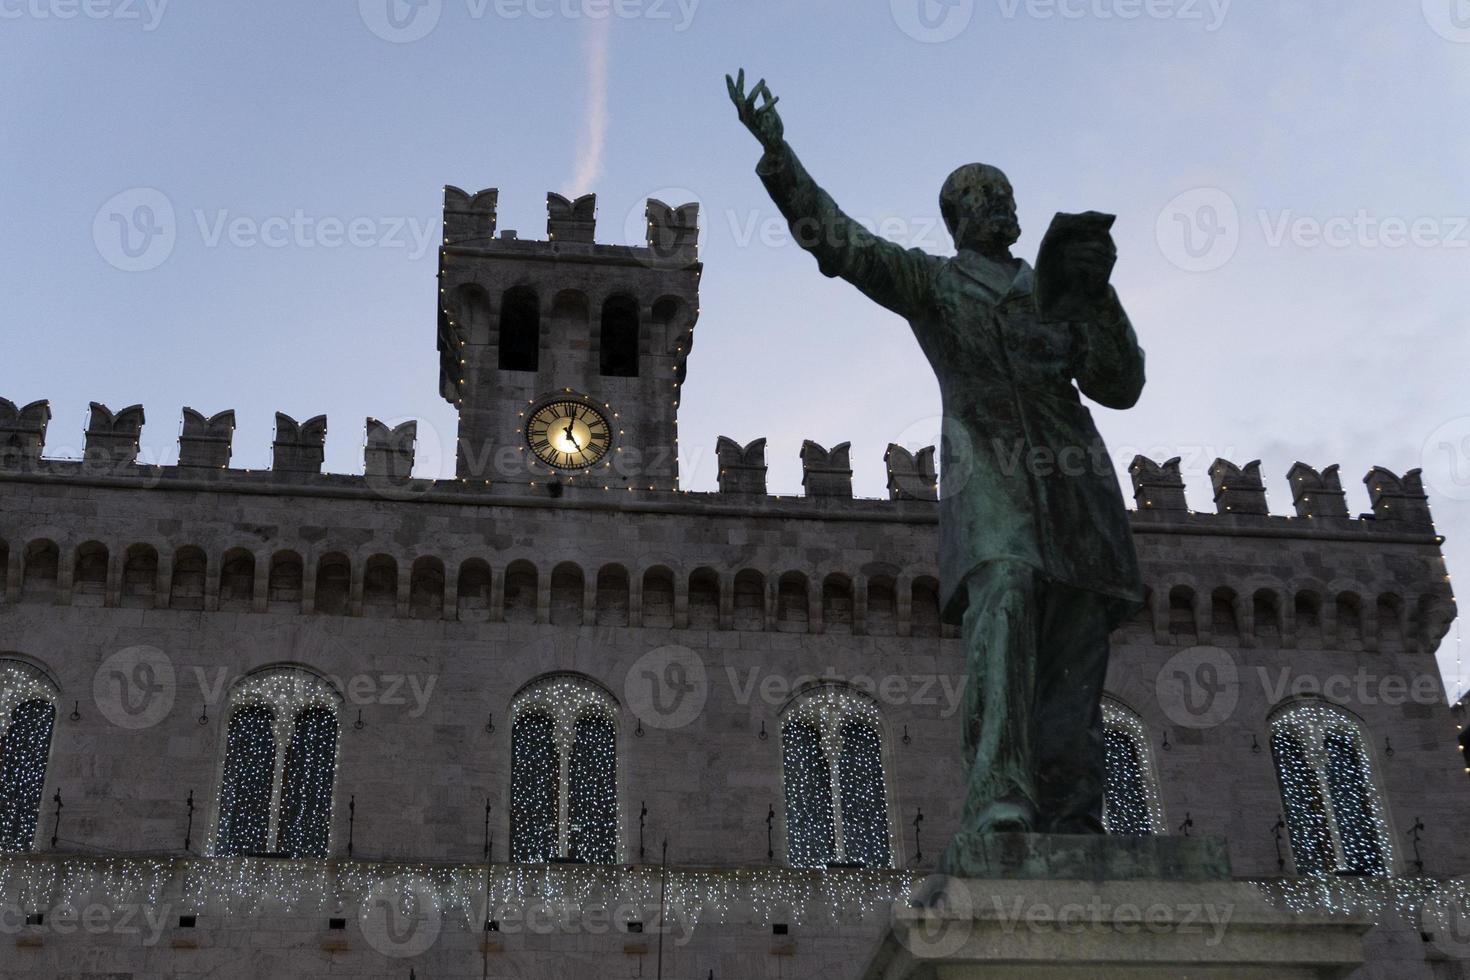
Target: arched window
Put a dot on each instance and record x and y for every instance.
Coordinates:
(1131, 805)
(837, 603)
(1334, 812)
(27, 714)
(564, 766)
(618, 343)
(90, 575)
(280, 766)
(333, 584)
(520, 330)
(836, 801)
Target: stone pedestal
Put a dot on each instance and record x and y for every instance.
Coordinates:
(1105, 908)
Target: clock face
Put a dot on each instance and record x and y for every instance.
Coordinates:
(569, 435)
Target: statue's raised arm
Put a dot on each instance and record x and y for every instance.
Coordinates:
(889, 274)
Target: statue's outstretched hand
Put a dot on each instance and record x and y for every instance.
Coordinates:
(762, 120)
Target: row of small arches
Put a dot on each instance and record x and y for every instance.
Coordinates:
(1309, 618)
(425, 588)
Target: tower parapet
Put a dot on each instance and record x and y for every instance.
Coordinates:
(911, 476)
(1317, 495)
(1398, 498)
(113, 439)
(571, 222)
(1238, 490)
(299, 447)
(469, 219)
(673, 233)
(742, 469)
(1157, 486)
(826, 472)
(206, 442)
(389, 452)
(22, 432)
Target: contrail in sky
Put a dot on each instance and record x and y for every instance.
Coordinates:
(589, 151)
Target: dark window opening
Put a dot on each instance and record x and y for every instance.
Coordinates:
(520, 330)
(619, 342)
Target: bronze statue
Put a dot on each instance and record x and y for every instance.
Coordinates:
(1036, 556)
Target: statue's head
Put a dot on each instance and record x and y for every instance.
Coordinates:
(979, 208)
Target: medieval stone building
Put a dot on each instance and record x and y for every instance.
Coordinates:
(297, 724)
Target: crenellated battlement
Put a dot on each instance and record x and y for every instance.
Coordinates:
(22, 431)
(471, 222)
(1398, 504)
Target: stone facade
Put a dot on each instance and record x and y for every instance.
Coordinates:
(431, 604)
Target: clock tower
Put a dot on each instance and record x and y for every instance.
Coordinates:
(566, 358)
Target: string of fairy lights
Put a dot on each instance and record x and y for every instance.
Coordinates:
(842, 821)
(463, 892)
(1334, 814)
(27, 716)
(468, 894)
(564, 795)
(1131, 803)
(280, 766)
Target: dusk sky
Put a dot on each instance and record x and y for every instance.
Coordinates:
(1289, 180)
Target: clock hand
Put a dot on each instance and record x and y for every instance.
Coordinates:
(572, 438)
